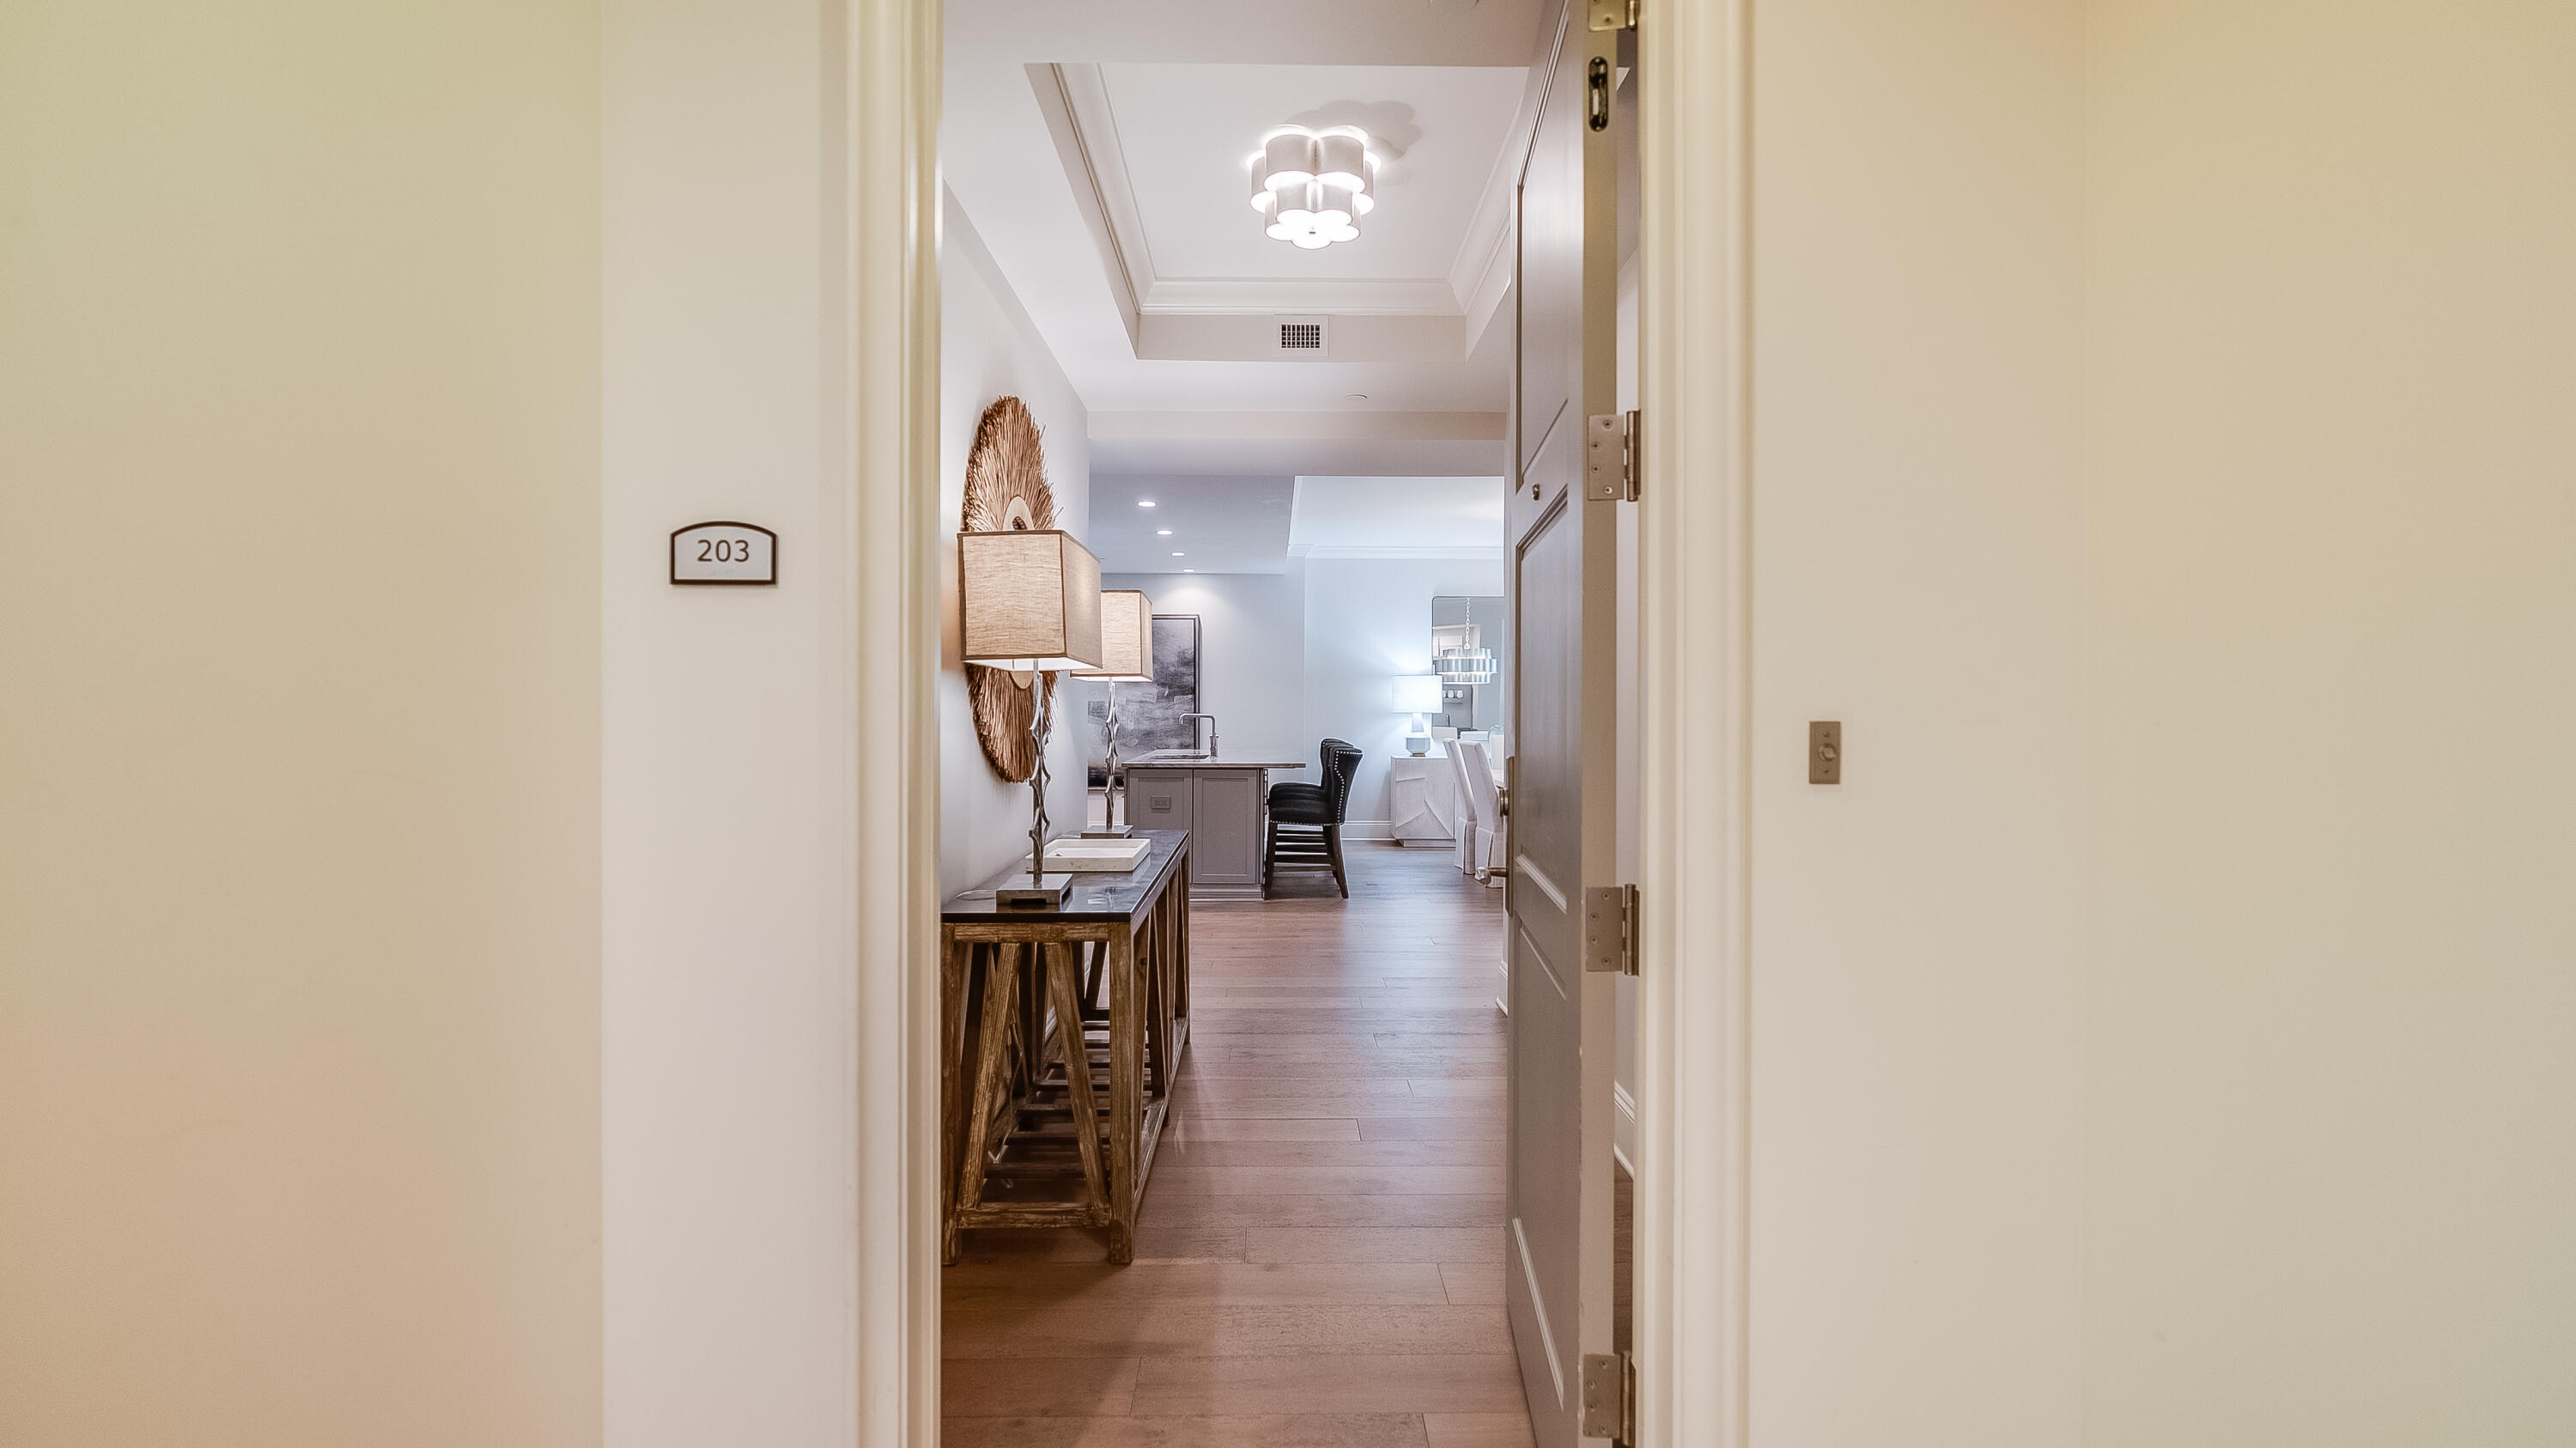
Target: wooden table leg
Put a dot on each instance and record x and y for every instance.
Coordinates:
(1063, 990)
(1126, 1093)
(956, 963)
(992, 1083)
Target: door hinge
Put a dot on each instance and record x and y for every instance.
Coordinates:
(1610, 457)
(1610, 929)
(1615, 14)
(1610, 1396)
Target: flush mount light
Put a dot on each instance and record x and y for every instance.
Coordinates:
(1312, 187)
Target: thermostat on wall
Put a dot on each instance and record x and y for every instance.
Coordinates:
(724, 553)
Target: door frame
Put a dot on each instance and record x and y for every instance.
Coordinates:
(1692, 1192)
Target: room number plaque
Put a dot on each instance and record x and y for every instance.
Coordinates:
(736, 553)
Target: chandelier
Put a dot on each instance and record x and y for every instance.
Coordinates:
(1468, 664)
(1312, 187)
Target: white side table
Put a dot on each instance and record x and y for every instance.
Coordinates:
(1421, 798)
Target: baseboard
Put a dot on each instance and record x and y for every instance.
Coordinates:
(1623, 1131)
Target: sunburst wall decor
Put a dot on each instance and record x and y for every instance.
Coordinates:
(1006, 489)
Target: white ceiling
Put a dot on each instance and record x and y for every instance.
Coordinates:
(1097, 148)
(1258, 524)
(1184, 132)
(1222, 525)
(1397, 518)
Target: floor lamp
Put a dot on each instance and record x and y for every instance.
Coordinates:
(1031, 600)
(1127, 657)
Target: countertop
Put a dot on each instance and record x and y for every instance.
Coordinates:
(1093, 894)
(1183, 759)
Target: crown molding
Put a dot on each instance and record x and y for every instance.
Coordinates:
(1231, 296)
(1480, 553)
(1075, 101)
(1095, 177)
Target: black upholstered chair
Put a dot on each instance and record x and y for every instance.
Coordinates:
(1306, 820)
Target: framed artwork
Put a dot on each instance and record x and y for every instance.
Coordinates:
(1150, 715)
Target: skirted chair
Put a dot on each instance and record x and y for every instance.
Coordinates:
(1306, 820)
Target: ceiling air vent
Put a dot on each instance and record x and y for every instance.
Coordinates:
(1303, 337)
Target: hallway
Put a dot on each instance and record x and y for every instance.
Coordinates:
(1319, 1260)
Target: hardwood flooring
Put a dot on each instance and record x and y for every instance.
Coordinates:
(1319, 1261)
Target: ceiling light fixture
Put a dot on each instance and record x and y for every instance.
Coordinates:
(1144, 502)
(1162, 532)
(1312, 187)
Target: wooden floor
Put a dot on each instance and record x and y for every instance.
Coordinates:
(1319, 1263)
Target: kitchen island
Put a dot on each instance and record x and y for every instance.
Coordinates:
(1222, 802)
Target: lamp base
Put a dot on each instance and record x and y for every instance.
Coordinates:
(1045, 893)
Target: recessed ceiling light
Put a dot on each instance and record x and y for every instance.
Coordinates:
(1180, 555)
(1189, 570)
(1144, 502)
(1162, 532)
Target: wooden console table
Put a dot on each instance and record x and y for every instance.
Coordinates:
(1029, 1047)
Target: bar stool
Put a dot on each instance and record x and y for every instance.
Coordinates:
(1311, 815)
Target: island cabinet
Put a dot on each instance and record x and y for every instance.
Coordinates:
(1223, 803)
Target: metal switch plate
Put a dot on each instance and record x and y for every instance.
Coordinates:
(1825, 751)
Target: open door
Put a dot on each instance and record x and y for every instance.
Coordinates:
(1566, 905)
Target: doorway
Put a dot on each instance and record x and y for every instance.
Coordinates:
(1690, 1168)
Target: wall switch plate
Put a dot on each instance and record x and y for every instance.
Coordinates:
(1825, 751)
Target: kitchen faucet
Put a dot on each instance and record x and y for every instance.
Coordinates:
(1194, 733)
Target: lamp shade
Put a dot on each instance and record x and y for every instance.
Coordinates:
(1417, 694)
(1031, 599)
(1126, 638)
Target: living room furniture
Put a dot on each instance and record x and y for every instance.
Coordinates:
(1306, 821)
(1046, 1017)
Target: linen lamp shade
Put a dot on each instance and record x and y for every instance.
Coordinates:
(1126, 638)
(1031, 598)
(1417, 694)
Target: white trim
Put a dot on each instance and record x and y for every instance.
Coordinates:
(1055, 87)
(1289, 296)
(1486, 553)
(1692, 1225)
(889, 220)
(1300, 426)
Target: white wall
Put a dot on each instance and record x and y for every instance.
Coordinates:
(989, 349)
(728, 1051)
(1917, 932)
(1252, 649)
(1368, 620)
(299, 724)
(2332, 1153)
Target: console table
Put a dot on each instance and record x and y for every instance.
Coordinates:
(1030, 1047)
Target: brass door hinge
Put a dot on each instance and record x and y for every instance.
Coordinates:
(1610, 1396)
(1615, 14)
(1610, 457)
(1610, 929)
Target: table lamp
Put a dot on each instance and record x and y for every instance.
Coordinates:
(1127, 657)
(1031, 600)
(1417, 695)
